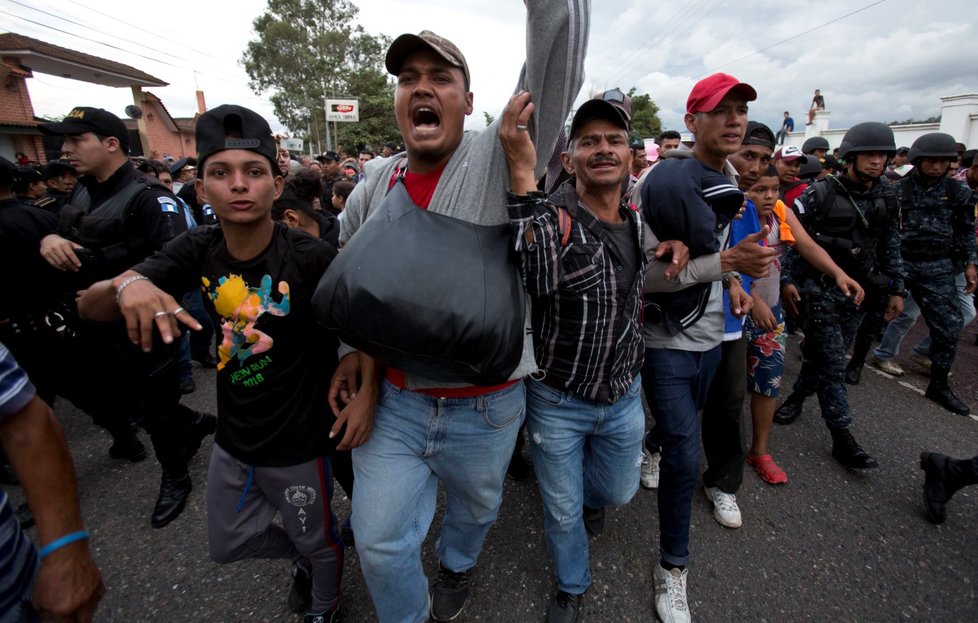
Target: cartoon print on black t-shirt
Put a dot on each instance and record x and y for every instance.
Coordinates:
(239, 307)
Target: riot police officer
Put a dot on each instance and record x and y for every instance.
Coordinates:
(937, 226)
(816, 146)
(114, 218)
(854, 217)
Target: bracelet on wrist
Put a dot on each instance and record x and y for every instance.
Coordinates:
(58, 543)
(128, 281)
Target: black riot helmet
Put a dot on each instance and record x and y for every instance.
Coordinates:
(813, 143)
(933, 145)
(868, 136)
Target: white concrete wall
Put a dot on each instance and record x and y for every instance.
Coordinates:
(959, 118)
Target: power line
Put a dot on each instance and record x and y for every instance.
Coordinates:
(141, 29)
(108, 45)
(101, 32)
(638, 52)
(777, 43)
(157, 58)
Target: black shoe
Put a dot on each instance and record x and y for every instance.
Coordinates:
(936, 489)
(846, 451)
(24, 516)
(593, 520)
(333, 616)
(853, 373)
(346, 534)
(564, 608)
(450, 594)
(789, 411)
(300, 597)
(206, 362)
(187, 386)
(942, 395)
(128, 447)
(204, 425)
(172, 499)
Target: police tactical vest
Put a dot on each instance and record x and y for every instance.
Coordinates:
(102, 229)
(849, 234)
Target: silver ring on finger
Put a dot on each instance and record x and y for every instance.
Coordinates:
(160, 314)
(521, 127)
(177, 311)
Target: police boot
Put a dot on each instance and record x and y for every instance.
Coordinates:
(854, 369)
(174, 489)
(789, 411)
(939, 392)
(847, 452)
(126, 444)
(943, 476)
(854, 372)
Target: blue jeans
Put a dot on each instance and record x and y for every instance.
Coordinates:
(417, 440)
(584, 453)
(898, 328)
(676, 384)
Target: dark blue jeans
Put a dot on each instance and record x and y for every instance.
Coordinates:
(676, 384)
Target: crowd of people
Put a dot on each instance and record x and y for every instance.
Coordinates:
(617, 279)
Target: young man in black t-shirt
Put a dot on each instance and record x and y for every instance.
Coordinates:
(274, 427)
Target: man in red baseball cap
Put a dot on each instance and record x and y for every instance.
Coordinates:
(693, 200)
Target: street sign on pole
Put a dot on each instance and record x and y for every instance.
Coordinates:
(292, 144)
(344, 110)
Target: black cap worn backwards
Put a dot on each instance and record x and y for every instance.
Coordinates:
(758, 134)
(85, 119)
(234, 127)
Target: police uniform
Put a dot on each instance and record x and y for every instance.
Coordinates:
(120, 221)
(937, 227)
(859, 228)
(29, 322)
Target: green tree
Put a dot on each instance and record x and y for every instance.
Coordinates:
(308, 49)
(645, 115)
(489, 118)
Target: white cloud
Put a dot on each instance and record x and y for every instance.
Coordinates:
(891, 61)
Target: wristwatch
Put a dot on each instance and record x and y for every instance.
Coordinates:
(900, 293)
(726, 277)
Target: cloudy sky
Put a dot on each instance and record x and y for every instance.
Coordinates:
(881, 60)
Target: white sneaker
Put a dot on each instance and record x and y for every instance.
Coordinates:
(670, 594)
(650, 468)
(888, 366)
(725, 507)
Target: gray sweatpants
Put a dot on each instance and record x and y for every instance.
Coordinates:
(242, 500)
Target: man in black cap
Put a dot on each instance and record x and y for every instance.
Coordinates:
(274, 430)
(584, 450)
(462, 175)
(331, 174)
(28, 185)
(60, 178)
(183, 172)
(114, 217)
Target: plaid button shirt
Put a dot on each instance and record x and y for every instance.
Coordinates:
(587, 320)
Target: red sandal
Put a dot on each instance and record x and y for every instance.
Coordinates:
(767, 469)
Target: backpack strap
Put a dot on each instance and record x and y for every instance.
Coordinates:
(563, 225)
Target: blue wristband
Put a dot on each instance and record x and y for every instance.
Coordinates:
(57, 544)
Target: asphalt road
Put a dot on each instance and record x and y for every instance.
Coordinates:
(832, 544)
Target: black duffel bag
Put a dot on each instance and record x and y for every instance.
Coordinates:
(434, 296)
